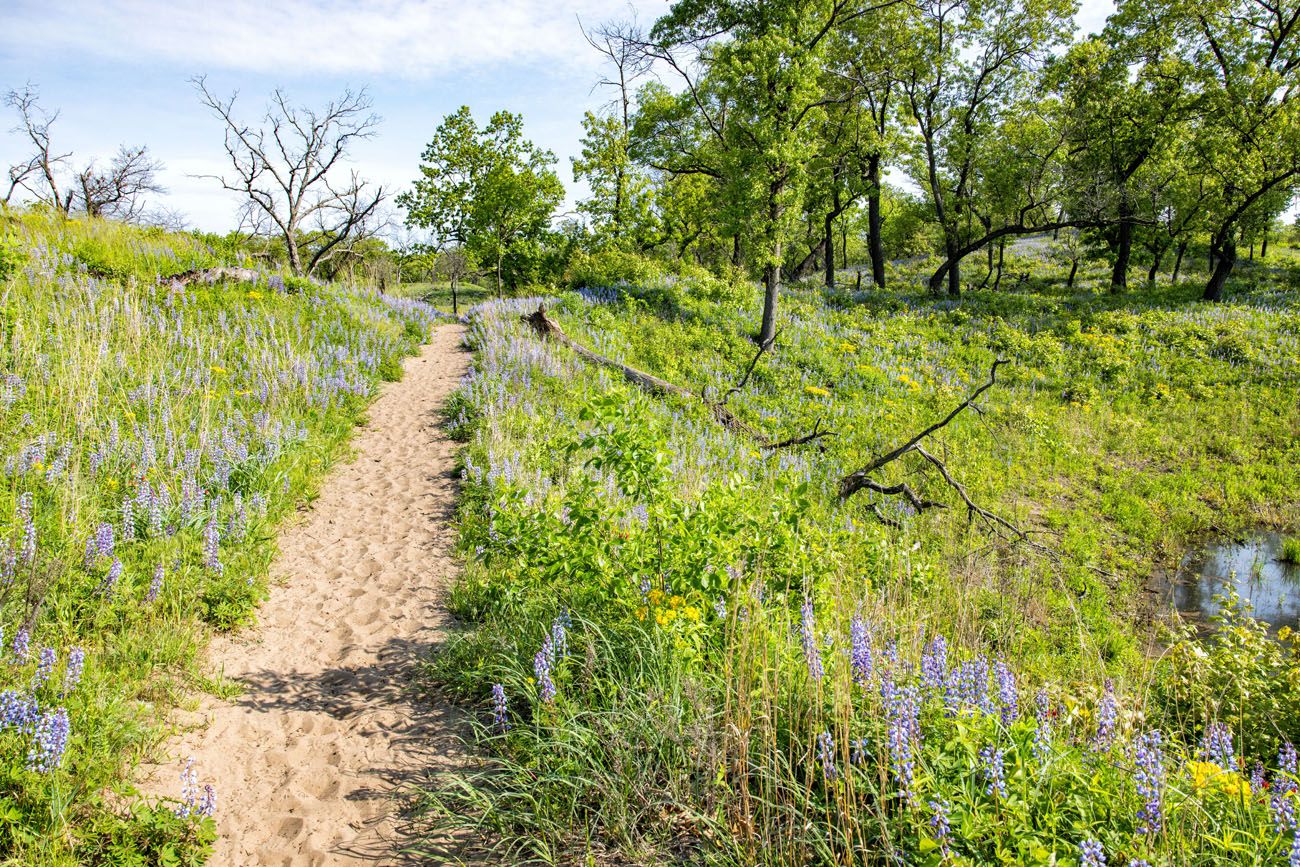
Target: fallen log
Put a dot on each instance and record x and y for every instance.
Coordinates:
(548, 328)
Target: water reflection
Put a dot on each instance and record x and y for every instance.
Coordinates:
(1254, 568)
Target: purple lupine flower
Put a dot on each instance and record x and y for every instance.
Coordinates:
(934, 664)
(500, 716)
(128, 517)
(104, 540)
(1107, 717)
(156, 583)
(49, 741)
(207, 803)
(1043, 732)
(808, 636)
(1008, 695)
(858, 751)
(904, 733)
(189, 790)
(27, 553)
(72, 672)
(109, 584)
(1216, 746)
(88, 561)
(860, 651)
(1149, 776)
(21, 645)
(212, 546)
(44, 667)
(720, 608)
(1091, 854)
(1139, 862)
(1293, 860)
(941, 825)
(826, 753)
(993, 771)
(542, 663)
(1284, 784)
(17, 710)
(560, 633)
(1257, 785)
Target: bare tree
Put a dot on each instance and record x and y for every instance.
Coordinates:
(289, 171)
(39, 174)
(116, 191)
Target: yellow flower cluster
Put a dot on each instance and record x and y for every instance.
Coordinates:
(847, 347)
(1207, 774)
(666, 609)
(909, 382)
(816, 391)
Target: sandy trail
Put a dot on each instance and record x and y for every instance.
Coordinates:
(308, 758)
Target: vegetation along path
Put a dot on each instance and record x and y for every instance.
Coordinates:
(322, 735)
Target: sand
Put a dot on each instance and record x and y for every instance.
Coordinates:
(310, 760)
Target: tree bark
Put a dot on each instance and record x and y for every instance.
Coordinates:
(1263, 247)
(454, 309)
(772, 272)
(1123, 250)
(875, 222)
(1157, 256)
(1074, 269)
(1225, 257)
(1178, 261)
(829, 249)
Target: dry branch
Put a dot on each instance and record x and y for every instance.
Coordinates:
(548, 328)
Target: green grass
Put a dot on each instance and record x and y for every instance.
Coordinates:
(184, 424)
(687, 724)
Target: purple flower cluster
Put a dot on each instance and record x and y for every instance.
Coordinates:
(941, 824)
(1107, 718)
(543, 662)
(1149, 776)
(212, 546)
(808, 637)
(156, 583)
(1282, 798)
(72, 672)
(195, 800)
(49, 741)
(934, 664)
(1008, 695)
(500, 716)
(903, 711)
(826, 754)
(860, 658)
(44, 667)
(1043, 731)
(993, 771)
(1216, 746)
(1091, 854)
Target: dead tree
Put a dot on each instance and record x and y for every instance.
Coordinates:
(116, 191)
(290, 171)
(39, 173)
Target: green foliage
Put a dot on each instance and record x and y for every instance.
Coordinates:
(12, 256)
(610, 268)
(148, 836)
(1238, 675)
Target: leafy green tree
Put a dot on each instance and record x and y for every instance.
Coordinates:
(489, 191)
(1243, 58)
(971, 65)
(620, 208)
(747, 120)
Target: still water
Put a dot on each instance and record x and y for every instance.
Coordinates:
(1254, 568)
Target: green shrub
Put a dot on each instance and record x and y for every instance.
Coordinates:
(611, 268)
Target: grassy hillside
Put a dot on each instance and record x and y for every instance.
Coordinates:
(690, 651)
(152, 439)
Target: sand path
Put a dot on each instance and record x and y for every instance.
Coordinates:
(308, 757)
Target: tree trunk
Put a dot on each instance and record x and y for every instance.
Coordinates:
(1178, 261)
(295, 258)
(735, 249)
(1263, 247)
(499, 295)
(1074, 269)
(1157, 256)
(1225, 257)
(1002, 249)
(829, 250)
(951, 268)
(772, 272)
(455, 311)
(875, 223)
(1123, 251)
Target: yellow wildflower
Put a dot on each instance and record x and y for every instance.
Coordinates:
(216, 369)
(641, 613)
(691, 613)
(254, 296)
(656, 596)
(847, 347)
(675, 601)
(816, 391)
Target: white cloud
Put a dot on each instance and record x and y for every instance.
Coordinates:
(411, 38)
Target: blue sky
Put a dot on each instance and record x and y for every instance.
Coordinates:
(118, 72)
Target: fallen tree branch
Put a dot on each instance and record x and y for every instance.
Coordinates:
(548, 328)
(812, 436)
(857, 480)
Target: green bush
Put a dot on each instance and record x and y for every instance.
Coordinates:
(611, 268)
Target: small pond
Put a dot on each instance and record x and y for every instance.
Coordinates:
(1253, 567)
